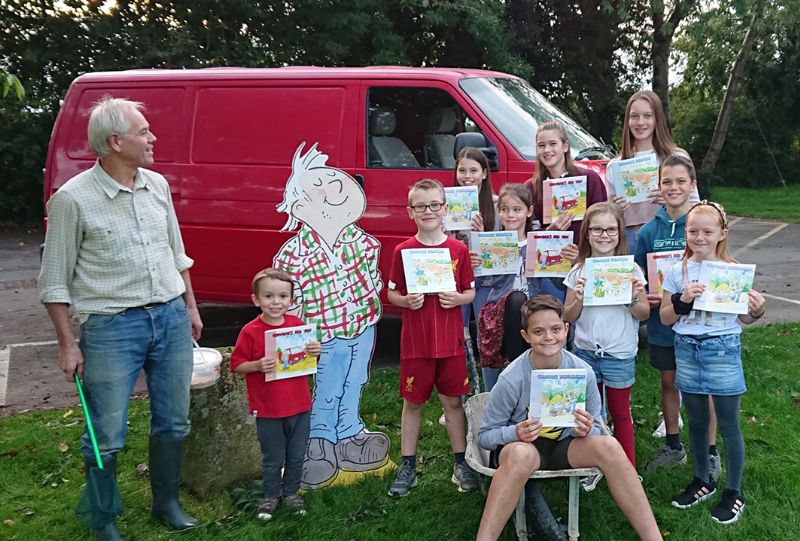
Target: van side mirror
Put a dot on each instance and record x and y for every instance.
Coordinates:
(479, 141)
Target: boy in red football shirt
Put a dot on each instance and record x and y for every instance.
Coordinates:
(432, 339)
(281, 407)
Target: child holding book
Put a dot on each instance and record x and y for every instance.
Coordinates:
(554, 160)
(665, 232)
(644, 131)
(508, 292)
(472, 169)
(607, 337)
(281, 407)
(520, 445)
(708, 358)
(431, 339)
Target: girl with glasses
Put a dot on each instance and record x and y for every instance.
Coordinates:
(607, 337)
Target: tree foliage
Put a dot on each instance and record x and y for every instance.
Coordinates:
(587, 56)
(763, 143)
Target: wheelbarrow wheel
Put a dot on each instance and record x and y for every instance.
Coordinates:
(541, 524)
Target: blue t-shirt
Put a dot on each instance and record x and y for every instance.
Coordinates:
(661, 234)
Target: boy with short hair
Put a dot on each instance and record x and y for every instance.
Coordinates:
(520, 445)
(281, 407)
(432, 339)
(676, 182)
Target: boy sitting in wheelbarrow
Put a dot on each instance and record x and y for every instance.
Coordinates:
(520, 445)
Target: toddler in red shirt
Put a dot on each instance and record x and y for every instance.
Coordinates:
(432, 339)
(281, 407)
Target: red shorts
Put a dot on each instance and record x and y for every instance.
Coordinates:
(418, 376)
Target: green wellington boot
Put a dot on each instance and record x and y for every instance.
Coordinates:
(165, 474)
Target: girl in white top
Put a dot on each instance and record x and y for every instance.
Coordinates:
(607, 337)
(644, 131)
(708, 358)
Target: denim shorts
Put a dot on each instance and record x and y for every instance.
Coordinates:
(709, 364)
(610, 371)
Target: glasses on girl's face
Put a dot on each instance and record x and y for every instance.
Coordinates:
(420, 208)
(598, 231)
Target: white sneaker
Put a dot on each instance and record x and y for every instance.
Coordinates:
(590, 483)
(442, 420)
(661, 430)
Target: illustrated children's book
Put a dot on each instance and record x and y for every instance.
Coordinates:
(462, 203)
(609, 280)
(499, 252)
(726, 289)
(286, 347)
(556, 394)
(658, 263)
(634, 178)
(543, 253)
(428, 270)
(563, 195)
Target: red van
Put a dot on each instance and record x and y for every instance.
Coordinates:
(226, 137)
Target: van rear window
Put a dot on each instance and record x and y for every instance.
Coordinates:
(256, 125)
(163, 110)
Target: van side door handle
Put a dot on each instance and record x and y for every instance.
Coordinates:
(360, 180)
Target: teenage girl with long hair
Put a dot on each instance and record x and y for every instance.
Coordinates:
(644, 131)
(554, 160)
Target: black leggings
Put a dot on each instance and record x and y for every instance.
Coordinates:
(727, 410)
(513, 343)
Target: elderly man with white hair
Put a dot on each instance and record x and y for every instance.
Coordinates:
(114, 256)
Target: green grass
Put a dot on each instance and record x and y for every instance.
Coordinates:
(40, 483)
(782, 204)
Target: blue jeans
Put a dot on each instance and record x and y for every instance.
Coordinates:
(115, 349)
(342, 372)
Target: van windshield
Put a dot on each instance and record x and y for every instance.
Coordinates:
(517, 109)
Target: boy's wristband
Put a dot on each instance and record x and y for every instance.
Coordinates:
(680, 307)
(633, 302)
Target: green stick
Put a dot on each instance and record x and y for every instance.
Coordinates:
(89, 426)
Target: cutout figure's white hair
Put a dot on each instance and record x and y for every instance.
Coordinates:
(301, 165)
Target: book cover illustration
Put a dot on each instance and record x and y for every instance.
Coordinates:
(556, 394)
(543, 253)
(634, 178)
(428, 270)
(498, 250)
(727, 285)
(462, 203)
(609, 280)
(564, 195)
(286, 347)
(658, 263)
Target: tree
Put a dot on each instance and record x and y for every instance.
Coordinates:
(724, 118)
(665, 23)
(762, 146)
(572, 51)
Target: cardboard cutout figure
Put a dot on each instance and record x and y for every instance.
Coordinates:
(334, 264)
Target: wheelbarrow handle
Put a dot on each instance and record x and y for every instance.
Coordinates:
(89, 427)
